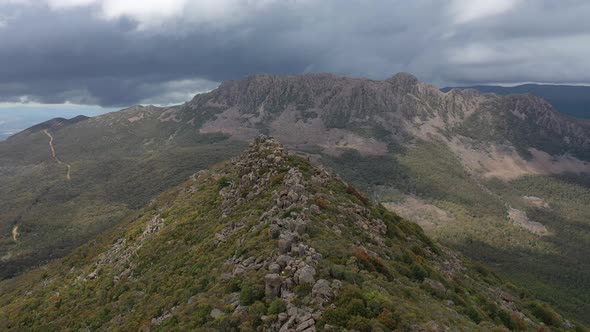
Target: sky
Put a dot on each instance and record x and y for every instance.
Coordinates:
(114, 53)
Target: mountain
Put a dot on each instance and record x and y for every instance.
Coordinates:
(503, 179)
(267, 242)
(568, 99)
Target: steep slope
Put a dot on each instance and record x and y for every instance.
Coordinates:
(568, 99)
(266, 241)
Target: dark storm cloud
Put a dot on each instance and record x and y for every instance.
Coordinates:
(120, 53)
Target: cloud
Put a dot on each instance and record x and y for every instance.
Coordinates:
(471, 10)
(152, 14)
(62, 4)
(171, 92)
(117, 53)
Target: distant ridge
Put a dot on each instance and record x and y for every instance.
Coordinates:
(55, 123)
(568, 99)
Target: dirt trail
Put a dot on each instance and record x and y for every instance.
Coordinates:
(54, 155)
(15, 233)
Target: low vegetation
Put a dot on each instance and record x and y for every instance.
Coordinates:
(551, 267)
(167, 267)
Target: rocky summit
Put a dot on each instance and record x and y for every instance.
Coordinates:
(267, 242)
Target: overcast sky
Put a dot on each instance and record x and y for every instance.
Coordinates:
(115, 53)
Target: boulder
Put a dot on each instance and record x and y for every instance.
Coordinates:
(274, 231)
(215, 313)
(285, 242)
(272, 284)
(274, 268)
(322, 292)
(305, 275)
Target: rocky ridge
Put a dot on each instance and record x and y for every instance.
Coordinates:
(265, 242)
(294, 261)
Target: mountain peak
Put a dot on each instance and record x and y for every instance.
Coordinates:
(263, 155)
(403, 78)
(264, 145)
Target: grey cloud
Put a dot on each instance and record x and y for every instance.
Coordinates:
(51, 56)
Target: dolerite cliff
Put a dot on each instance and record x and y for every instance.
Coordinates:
(266, 242)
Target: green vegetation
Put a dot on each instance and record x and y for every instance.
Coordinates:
(112, 174)
(559, 261)
(523, 133)
(250, 293)
(553, 268)
(163, 268)
(396, 280)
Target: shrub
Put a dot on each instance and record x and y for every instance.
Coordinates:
(352, 191)
(372, 263)
(277, 306)
(418, 272)
(233, 285)
(358, 323)
(374, 308)
(303, 290)
(223, 182)
(322, 202)
(388, 319)
(229, 324)
(507, 320)
(474, 314)
(202, 314)
(356, 307)
(277, 179)
(257, 309)
(336, 316)
(250, 293)
(546, 314)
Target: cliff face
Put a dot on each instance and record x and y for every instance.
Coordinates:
(333, 112)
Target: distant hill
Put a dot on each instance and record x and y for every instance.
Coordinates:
(568, 99)
(55, 123)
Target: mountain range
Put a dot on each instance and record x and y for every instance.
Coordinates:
(502, 179)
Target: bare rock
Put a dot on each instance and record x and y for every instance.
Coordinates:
(305, 275)
(273, 284)
(274, 231)
(274, 268)
(284, 260)
(215, 313)
(285, 242)
(322, 292)
(306, 325)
